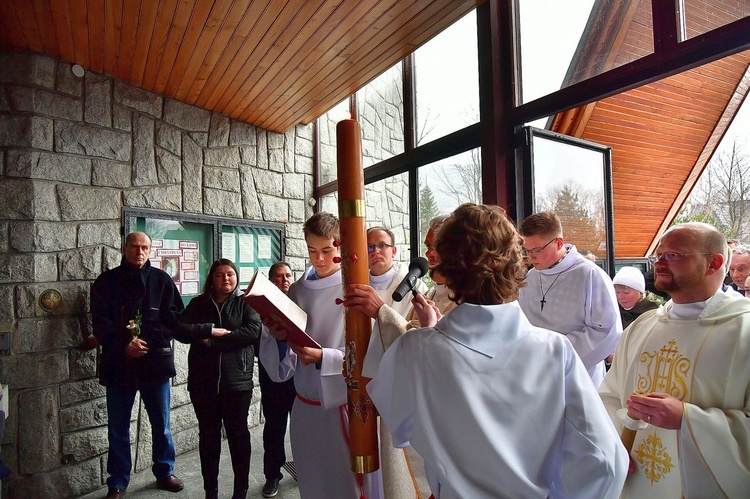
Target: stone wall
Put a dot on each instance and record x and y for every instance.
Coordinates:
(73, 153)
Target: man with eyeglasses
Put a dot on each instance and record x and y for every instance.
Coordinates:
(568, 293)
(680, 378)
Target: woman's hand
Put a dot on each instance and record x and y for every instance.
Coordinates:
(219, 332)
(307, 355)
(426, 310)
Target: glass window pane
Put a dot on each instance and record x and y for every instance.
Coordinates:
(380, 112)
(327, 134)
(446, 184)
(387, 205)
(447, 81)
(569, 180)
(701, 16)
(563, 43)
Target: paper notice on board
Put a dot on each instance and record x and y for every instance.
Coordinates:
(247, 248)
(228, 247)
(264, 248)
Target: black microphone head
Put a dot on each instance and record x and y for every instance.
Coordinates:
(421, 264)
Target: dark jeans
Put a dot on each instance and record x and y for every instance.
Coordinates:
(276, 400)
(231, 408)
(156, 399)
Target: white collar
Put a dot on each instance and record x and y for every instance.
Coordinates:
(383, 280)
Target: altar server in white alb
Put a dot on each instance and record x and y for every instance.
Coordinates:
(683, 372)
(319, 421)
(568, 293)
(496, 406)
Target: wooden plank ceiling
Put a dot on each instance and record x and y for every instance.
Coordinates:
(272, 63)
(662, 134)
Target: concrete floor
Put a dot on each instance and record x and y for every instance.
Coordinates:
(187, 468)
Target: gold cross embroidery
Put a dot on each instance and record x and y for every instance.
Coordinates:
(654, 459)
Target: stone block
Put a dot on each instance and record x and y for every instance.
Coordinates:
(98, 91)
(25, 267)
(296, 247)
(122, 118)
(26, 131)
(303, 164)
(268, 182)
(79, 264)
(18, 67)
(28, 200)
(168, 137)
(89, 414)
(227, 157)
(241, 134)
(274, 209)
(303, 147)
(168, 167)
(200, 138)
(74, 299)
(110, 174)
(276, 160)
(103, 233)
(262, 149)
(222, 203)
(81, 391)
(248, 155)
(44, 71)
(29, 237)
(88, 203)
(38, 431)
(85, 444)
(144, 164)
(294, 186)
(82, 363)
(40, 101)
(66, 81)
(44, 335)
(159, 197)
(185, 441)
(111, 258)
(180, 362)
(218, 132)
(275, 140)
(23, 371)
(304, 131)
(182, 418)
(89, 140)
(289, 150)
(4, 235)
(138, 99)
(221, 178)
(250, 202)
(192, 175)
(7, 308)
(4, 100)
(180, 395)
(49, 166)
(74, 480)
(186, 117)
(297, 210)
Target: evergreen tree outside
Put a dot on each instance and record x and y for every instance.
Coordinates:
(428, 208)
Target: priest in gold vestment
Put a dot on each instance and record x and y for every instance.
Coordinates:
(683, 372)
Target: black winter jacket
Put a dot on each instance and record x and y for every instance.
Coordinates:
(117, 296)
(226, 363)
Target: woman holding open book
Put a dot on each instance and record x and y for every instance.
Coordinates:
(221, 330)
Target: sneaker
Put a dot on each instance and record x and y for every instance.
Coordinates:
(271, 488)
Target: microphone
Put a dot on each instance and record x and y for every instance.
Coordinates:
(417, 268)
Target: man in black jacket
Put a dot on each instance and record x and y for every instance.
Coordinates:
(134, 307)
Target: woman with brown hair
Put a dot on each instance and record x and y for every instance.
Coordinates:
(495, 406)
(221, 330)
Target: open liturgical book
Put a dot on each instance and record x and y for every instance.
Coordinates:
(274, 306)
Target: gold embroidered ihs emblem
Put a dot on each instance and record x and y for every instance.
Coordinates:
(664, 371)
(654, 459)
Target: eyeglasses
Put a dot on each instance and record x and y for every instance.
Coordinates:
(380, 246)
(536, 251)
(671, 257)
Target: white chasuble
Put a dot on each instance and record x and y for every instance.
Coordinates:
(705, 363)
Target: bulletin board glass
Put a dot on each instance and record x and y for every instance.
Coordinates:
(185, 246)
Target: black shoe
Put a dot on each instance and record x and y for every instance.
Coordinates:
(170, 483)
(115, 493)
(271, 488)
(239, 493)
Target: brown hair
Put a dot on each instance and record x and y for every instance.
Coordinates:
(208, 286)
(322, 224)
(480, 255)
(542, 223)
(276, 266)
(384, 229)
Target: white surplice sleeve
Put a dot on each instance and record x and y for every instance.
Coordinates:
(279, 368)
(592, 461)
(332, 383)
(392, 393)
